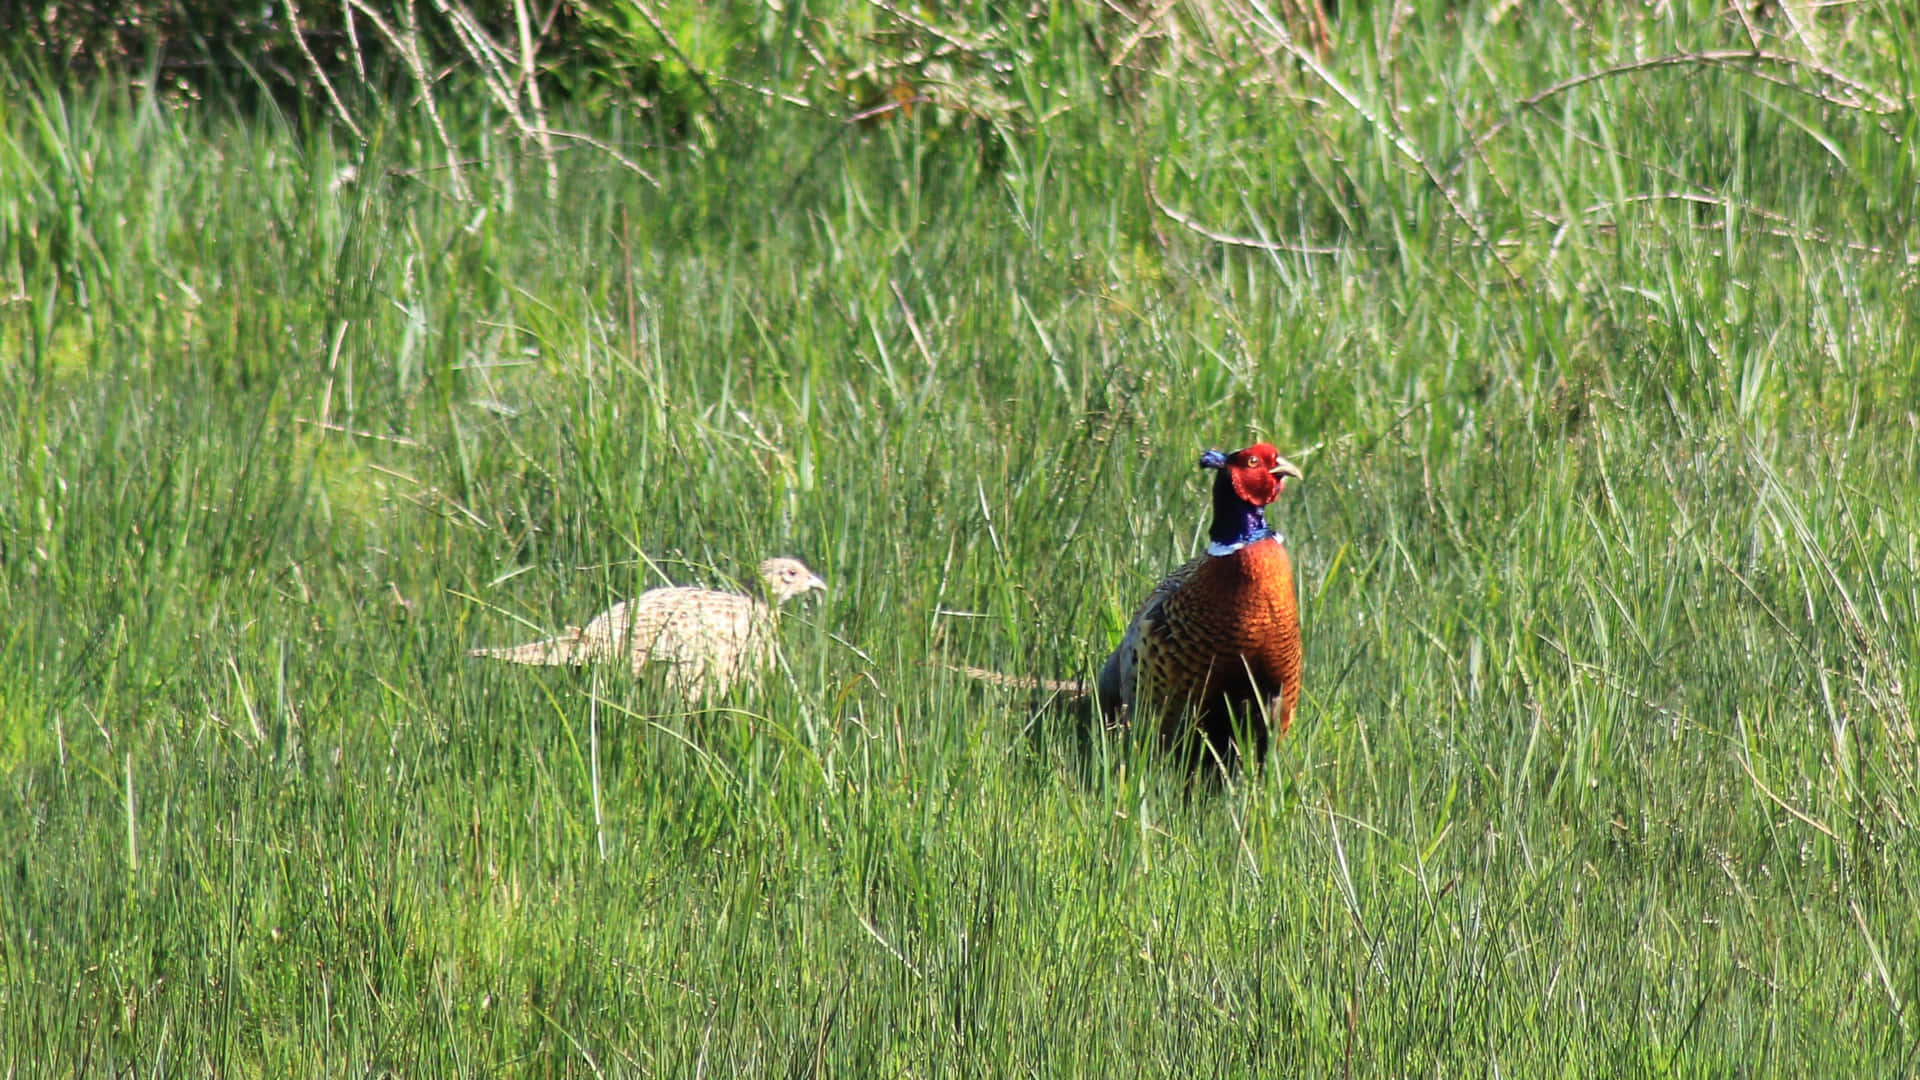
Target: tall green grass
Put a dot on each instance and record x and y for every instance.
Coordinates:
(1606, 763)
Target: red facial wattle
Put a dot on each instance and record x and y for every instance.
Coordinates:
(1254, 484)
(1253, 476)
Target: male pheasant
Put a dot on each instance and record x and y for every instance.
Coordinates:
(1215, 650)
(703, 638)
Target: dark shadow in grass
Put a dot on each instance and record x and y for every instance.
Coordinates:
(1064, 727)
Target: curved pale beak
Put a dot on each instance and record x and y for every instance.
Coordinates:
(1283, 467)
(814, 581)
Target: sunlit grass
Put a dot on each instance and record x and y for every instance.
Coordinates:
(1606, 759)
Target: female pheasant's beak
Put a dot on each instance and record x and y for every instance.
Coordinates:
(1283, 467)
(814, 582)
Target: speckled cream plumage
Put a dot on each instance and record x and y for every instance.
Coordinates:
(1215, 650)
(701, 640)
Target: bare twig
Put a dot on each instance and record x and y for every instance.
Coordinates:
(1396, 137)
(767, 92)
(913, 324)
(408, 46)
(1879, 963)
(891, 106)
(327, 425)
(1782, 226)
(1802, 28)
(492, 60)
(606, 148)
(1145, 27)
(353, 42)
(489, 55)
(1880, 105)
(1746, 23)
(300, 42)
(1782, 803)
(529, 77)
(911, 19)
(1229, 239)
(866, 923)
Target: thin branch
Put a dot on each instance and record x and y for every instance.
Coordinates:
(948, 36)
(530, 76)
(1153, 197)
(913, 324)
(408, 47)
(326, 425)
(353, 41)
(487, 54)
(1712, 58)
(1782, 803)
(1726, 57)
(767, 92)
(1783, 227)
(866, 923)
(887, 107)
(492, 59)
(1145, 27)
(1395, 136)
(300, 41)
(1879, 963)
(604, 148)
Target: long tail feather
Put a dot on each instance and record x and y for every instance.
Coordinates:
(567, 648)
(1068, 687)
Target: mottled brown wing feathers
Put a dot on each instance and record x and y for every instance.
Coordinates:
(1119, 677)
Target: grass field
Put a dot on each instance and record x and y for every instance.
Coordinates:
(1609, 407)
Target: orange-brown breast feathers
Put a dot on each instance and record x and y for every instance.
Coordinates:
(1219, 638)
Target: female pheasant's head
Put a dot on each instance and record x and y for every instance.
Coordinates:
(787, 578)
(1248, 480)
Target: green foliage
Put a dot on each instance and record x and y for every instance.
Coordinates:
(684, 66)
(1606, 399)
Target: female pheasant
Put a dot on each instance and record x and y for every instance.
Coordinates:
(704, 638)
(1215, 650)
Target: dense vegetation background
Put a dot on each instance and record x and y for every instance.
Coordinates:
(336, 339)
